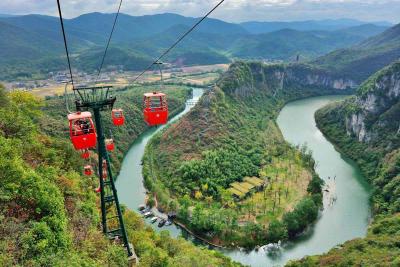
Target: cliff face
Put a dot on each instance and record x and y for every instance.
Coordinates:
(367, 128)
(243, 79)
(309, 76)
(376, 106)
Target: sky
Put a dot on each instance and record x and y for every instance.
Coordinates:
(230, 10)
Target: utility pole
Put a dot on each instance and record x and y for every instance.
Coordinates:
(99, 99)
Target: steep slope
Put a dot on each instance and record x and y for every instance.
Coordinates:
(364, 59)
(49, 211)
(367, 128)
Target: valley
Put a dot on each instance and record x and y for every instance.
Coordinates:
(261, 143)
(134, 46)
(202, 75)
(208, 158)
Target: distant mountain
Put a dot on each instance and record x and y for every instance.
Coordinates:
(6, 16)
(33, 43)
(364, 59)
(287, 44)
(256, 27)
(131, 60)
(19, 44)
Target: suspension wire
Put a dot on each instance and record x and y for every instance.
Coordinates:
(66, 98)
(65, 42)
(161, 73)
(109, 39)
(179, 40)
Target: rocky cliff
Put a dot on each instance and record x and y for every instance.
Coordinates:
(243, 79)
(376, 108)
(366, 127)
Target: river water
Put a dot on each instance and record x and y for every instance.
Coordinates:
(341, 220)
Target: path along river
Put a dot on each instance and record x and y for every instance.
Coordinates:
(341, 220)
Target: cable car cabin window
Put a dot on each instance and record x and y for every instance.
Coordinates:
(118, 117)
(82, 130)
(155, 109)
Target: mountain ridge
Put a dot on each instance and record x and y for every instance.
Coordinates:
(364, 59)
(215, 41)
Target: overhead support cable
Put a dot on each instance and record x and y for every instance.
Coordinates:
(179, 40)
(65, 42)
(109, 39)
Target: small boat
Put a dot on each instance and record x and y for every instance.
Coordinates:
(142, 207)
(161, 223)
(148, 214)
(168, 223)
(154, 219)
(145, 210)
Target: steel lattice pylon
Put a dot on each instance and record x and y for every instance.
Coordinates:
(98, 99)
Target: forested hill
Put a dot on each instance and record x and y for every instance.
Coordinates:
(49, 213)
(362, 60)
(38, 42)
(366, 127)
(195, 165)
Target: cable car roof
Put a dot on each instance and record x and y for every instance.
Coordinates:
(80, 115)
(154, 94)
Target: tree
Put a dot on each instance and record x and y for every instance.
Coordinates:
(290, 220)
(276, 231)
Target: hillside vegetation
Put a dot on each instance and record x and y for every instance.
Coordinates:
(362, 60)
(130, 100)
(232, 134)
(49, 213)
(32, 46)
(366, 128)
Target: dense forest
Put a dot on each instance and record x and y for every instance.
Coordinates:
(49, 213)
(231, 134)
(31, 45)
(362, 60)
(366, 128)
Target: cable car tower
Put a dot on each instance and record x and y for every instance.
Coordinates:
(98, 99)
(84, 133)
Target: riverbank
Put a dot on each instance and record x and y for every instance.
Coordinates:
(296, 122)
(347, 218)
(236, 126)
(364, 128)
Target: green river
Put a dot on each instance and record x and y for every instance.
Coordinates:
(346, 207)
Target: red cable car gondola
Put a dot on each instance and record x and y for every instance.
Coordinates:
(155, 108)
(118, 117)
(82, 130)
(110, 146)
(85, 154)
(88, 170)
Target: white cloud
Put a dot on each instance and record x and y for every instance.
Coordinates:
(232, 10)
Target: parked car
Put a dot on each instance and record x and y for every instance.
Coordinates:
(161, 223)
(148, 214)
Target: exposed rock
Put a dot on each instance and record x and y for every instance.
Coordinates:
(376, 97)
